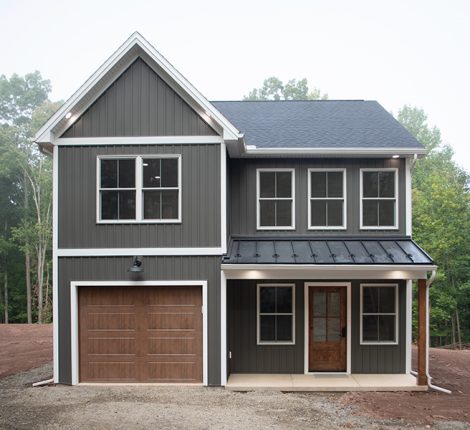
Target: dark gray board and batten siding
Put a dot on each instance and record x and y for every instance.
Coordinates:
(248, 357)
(243, 194)
(155, 268)
(139, 103)
(200, 226)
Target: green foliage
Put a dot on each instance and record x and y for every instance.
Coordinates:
(25, 188)
(274, 89)
(441, 225)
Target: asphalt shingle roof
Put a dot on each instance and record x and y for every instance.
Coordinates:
(317, 124)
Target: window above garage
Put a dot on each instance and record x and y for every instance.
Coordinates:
(139, 189)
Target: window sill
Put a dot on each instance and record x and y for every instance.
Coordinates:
(365, 228)
(133, 221)
(274, 343)
(275, 228)
(319, 228)
(378, 343)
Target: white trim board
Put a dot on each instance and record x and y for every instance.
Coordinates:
(408, 198)
(145, 140)
(223, 198)
(307, 285)
(55, 262)
(126, 252)
(321, 271)
(322, 152)
(409, 323)
(74, 338)
(223, 329)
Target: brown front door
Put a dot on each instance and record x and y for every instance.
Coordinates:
(140, 334)
(327, 329)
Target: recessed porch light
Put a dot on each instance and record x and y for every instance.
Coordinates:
(395, 156)
(68, 115)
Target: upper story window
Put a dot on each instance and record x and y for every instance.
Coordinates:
(379, 313)
(327, 199)
(379, 198)
(139, 189)
(275, 199)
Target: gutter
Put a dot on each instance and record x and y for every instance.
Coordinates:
(428, 376)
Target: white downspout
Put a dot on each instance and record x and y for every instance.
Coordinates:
(429, 377)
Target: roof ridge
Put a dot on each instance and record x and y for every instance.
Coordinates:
(289, 101)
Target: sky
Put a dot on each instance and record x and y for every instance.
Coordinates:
(398, 52)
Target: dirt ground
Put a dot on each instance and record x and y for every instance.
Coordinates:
(142, 407)
(24, 346)
(449, 369)
(147, 407)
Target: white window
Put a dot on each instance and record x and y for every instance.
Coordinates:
(327, 199)
(379, 314)
(379, 199)
(276, 313)
(142, 188)
(275, 191)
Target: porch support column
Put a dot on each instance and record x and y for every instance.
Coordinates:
(422, 332)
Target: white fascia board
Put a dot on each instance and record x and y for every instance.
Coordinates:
(382, 152)
(129, 252)
(45, 135)
(324, 271)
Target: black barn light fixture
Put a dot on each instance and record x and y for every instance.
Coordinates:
(136, 265)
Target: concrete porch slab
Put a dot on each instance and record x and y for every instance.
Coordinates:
(326, 382)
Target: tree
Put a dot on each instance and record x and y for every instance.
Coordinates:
(274, 89)
(26, 173)
(441, 224)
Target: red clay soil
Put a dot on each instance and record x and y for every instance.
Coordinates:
(450, 369)
(24, 346)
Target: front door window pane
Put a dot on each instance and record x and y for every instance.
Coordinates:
(319, 329)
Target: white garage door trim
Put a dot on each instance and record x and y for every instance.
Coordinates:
(74, 315)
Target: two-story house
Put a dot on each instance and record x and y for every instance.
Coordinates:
(239, 243)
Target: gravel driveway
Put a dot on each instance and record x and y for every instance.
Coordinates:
(86, 407)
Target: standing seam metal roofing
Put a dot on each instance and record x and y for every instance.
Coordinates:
(317, 124)
(403, 251)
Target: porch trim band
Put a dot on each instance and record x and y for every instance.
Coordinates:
(325, 271)
(123, 252)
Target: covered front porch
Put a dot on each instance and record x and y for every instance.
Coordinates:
(321, 316)
(327, 382)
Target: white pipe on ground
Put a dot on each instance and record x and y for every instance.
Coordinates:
(429, 377)
(41, 383)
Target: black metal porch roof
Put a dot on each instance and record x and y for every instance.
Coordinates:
(389, 251)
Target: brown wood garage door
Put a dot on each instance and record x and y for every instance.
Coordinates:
(140, 334)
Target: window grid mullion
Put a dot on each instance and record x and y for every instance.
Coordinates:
(139, 172)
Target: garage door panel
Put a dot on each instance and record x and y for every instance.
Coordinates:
(171, 320)
(112, 371)
(173, 345)
(140, 334)
(108, 321)
(179, 371)
(111, 345)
